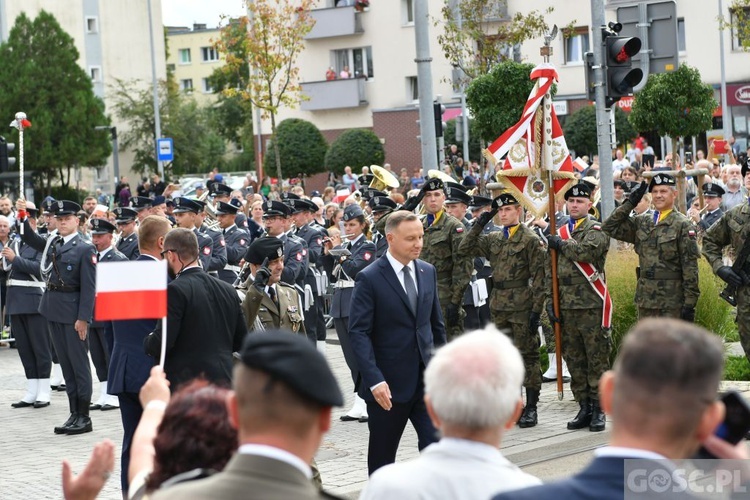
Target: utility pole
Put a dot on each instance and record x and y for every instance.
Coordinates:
(464, 114)
(725, 120)
(258, 121)
(424, 80)
(603, 132)
(155, 85)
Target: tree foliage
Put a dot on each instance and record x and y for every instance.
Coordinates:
(580, 130)
(302, 147)
(475, 144)
(739, 22)
(354, 148)
(272, 40)
(41, 76)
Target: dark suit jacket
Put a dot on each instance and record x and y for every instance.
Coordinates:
(25, 267)
(389, 342)
(205, 325)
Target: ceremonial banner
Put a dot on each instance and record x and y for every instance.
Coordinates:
(131, 290)
(523, 169)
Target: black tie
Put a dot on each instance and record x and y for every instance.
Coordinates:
(411, 289)
(98, 256)
(272, 294)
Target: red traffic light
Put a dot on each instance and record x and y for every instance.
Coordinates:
(620, 49)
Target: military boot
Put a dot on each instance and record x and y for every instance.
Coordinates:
(583, 419)
(73, 404)
(528, 417)
(83, 422)
(598, 418)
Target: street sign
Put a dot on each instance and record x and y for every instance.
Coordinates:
(164, 149)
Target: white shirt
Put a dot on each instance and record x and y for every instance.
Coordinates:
(104, 252)
(398, 268)
(622, 452)
(262, 450)
(69, 237)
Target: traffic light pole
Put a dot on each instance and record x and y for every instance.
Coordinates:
(424, 80)
(603, 137)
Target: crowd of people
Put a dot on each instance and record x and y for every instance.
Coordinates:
(398, 273)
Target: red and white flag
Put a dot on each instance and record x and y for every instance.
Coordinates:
(131, 290)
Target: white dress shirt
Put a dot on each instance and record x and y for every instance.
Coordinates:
(262, 450)
(398, 268)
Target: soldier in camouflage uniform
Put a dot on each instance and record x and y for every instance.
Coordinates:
(442, 237)
(586, 337)
(665, 242)
(518, 262)
(732, 230)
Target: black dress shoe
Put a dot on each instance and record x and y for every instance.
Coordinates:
(109, 407)
(80, 426)
(363, 419)
(21, 404)
(61, 388)
(41, 404)
(54, 387)
(63, 429)
(95, 406)
(348, 418)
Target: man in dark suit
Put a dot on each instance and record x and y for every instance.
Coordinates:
(205, 323)
(395, 324)
(662, 396)
(129, 366)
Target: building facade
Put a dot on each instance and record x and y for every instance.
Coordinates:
(192, 59)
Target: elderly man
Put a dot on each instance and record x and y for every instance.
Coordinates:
(735, 191)
(471, 393)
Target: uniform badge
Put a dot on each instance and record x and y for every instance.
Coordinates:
(223, 242)
(691, 234)
(93, 259)
(320, 241)
(657, 180)
(575, 191)
(459, 229)
(377, 201)
(596, 227)
(299, 256)
(269, 205)
(367, 256)
(292, 309)
(304, 252)
(279, 252)
(60, 205)
(206, 250)
(95, 223)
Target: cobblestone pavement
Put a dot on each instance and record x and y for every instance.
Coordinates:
(32, 454)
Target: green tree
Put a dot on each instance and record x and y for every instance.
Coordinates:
(580, 130)
(302, 147)
(354, 148)
(738, 22)
(475, 145)
(41, 76)
(272, 42)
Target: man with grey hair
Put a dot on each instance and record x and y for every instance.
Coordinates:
(472, 396)
(735, 193)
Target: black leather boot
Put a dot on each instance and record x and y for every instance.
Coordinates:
(73, 404)
(83, 422)
(598, 419)
(529, 417)
(583, 419)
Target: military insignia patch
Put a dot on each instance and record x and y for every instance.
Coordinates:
(459, 229)
(691, 234)
(299, 256)
(304, 252)
(657, 180)
(206, 250)
(597, 227)
(320, 241)
(279, 252)
(93, 259)
(223, 242)
(60, 205)
(367, 256)
(242, 242)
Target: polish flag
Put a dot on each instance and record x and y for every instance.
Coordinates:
(131, 290)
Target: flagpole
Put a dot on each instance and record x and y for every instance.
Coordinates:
(546, 52)
(163, 354)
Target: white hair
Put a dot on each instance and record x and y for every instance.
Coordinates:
(475, 381)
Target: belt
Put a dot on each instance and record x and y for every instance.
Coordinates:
(230, 267)
(27, 283)
(651, 274)
(63, 288)
(343, 284)
(574, 280)
(505, 285)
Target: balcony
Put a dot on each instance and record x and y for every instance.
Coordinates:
(336, 21)
(334, 94)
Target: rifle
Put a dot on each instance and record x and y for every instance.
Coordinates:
(730, 292)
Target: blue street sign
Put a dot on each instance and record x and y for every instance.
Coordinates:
(165, 149)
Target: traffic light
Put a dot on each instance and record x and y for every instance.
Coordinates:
(6, 148)
(438, 110)
(620, 75)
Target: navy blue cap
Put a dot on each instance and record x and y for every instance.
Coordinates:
(580, 190)
(101, 226)
(286, 196)
(382, 204)
(276, 208)
(352, 211)
(456, 185)
(138, 203)
(479, 202)
(125, 214)
(235, 202)
(712, 190)
(47, 205)
(158, 200)
(64, 207)
(456, 195)
(369, 193)
(225, 208)
(183, 204)
(504, 199)
(218, 188)
(661, 179)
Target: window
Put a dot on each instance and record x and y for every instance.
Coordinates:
(92, 25)
(186, 85)
(681, 45)
(407, 12)
(576, 44)
(207, 88)
(412, 89)
(356, 62)
(740, 27)
(96, 73)
(209, 54)
(184, 55)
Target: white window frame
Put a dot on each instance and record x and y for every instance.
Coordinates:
(88, 22)
(95, 72)
(406, 13)
(736, 46)
(338, 56)
(682, 50)
(581, 33)
(412, 89)
(208, 51)
(206, 86)
(180, 60)
(184, 87)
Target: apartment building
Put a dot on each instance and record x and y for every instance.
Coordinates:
(192, 59)
(112, 38)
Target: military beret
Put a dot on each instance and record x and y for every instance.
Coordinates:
(661, 179)
(504, 199)
(353, 211)
(225, 208)
(182, 205)
(138, 203)
(433, 184)
(268, 247)
(456, 195)
(64, 207)
(479, 202)
(712, 190)
(381, 204)
(124, 214)
(218, 188)
(101, 226)
(273, 208)
(580, 190)
(293, 360)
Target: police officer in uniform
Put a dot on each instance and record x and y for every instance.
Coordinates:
(219, 246)
(346, 268)
(142, 205)
(442, 237)
(381, 207)
(457, 202)
(236, 239)
(128, 242)
(302, 215)
(665, 242)
(186, 213)
(276, 218)
(68, 264)
(517, 258)
(101, 338)
(479, 317)
(25, 289)
(223, 193)
(585, 310)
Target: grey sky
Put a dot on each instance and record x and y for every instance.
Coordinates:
(209, 12)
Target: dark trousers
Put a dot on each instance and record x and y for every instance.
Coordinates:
(321, 324)
(99, 352)
(387, 427)
(33, 343)
(311, 320)
(130, 413)
(342, 330)
(74, 360)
